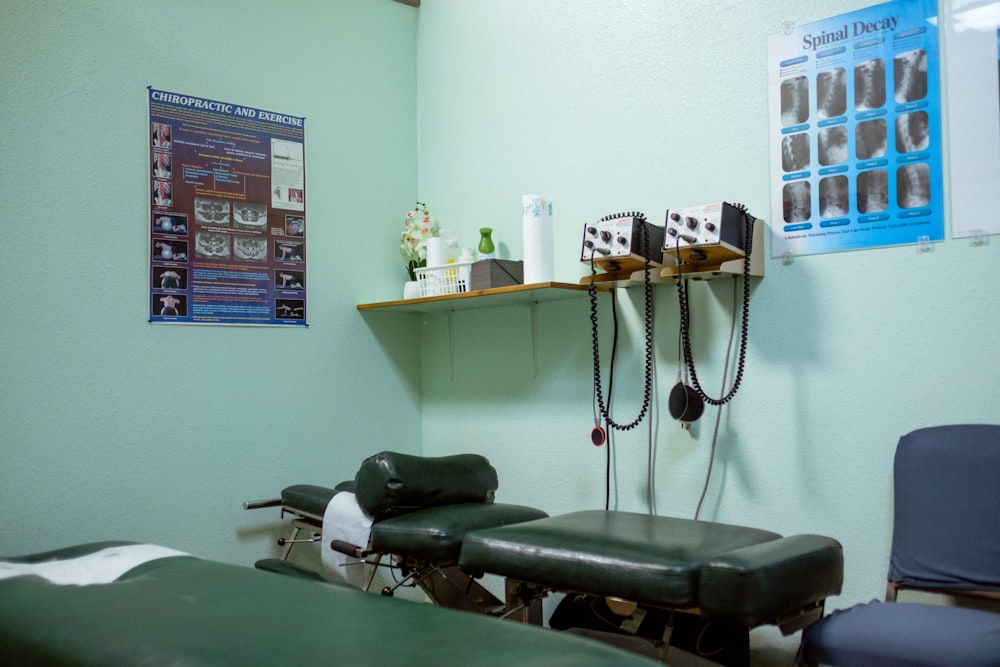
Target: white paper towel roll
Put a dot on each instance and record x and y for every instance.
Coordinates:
(344, 520)
(536, 229)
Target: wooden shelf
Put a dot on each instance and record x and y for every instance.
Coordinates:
(487, 298)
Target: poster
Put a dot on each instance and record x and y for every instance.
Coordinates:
(972, 43)
(855, 131)
(227, 219)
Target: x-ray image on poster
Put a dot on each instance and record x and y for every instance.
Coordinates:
(227, 218)
(855, 131)
(972, 40)
(287, 172)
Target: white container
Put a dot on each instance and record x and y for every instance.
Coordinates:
(440, 280)
(437, 251)
(536, 223)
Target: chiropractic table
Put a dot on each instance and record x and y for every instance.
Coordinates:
(117, 603)
(436, 520)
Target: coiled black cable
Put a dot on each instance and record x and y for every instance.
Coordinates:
(685, 317)
(648, 320)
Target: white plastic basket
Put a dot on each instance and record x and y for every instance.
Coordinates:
(447, 279)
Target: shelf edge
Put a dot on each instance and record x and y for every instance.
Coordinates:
(466, 296)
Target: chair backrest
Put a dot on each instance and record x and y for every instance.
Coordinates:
(946, 525)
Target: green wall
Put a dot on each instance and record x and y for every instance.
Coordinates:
(114, 428)
(648, 105)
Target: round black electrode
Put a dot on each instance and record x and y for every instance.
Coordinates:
(598, 436)
(685, 404)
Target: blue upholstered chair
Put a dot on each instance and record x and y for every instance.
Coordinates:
(946, 539)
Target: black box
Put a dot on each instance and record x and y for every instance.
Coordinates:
(488, 273)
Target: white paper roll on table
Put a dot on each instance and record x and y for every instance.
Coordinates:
(536, 227)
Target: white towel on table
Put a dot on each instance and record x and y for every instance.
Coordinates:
(100, 567)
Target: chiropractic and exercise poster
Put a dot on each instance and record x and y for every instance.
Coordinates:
(972, 40)
(227, 216)
(855, 131)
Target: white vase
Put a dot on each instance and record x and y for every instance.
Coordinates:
(411, 289)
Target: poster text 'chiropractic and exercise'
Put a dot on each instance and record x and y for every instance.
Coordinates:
(227, 219)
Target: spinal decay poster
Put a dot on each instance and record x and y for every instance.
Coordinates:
(855, 131)
(227, 216)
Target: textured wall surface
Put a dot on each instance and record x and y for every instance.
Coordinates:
(610, 106)
(113, 428)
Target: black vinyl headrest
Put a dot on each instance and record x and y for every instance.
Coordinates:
(391, 483)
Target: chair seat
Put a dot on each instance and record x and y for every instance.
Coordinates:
(904, 634)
